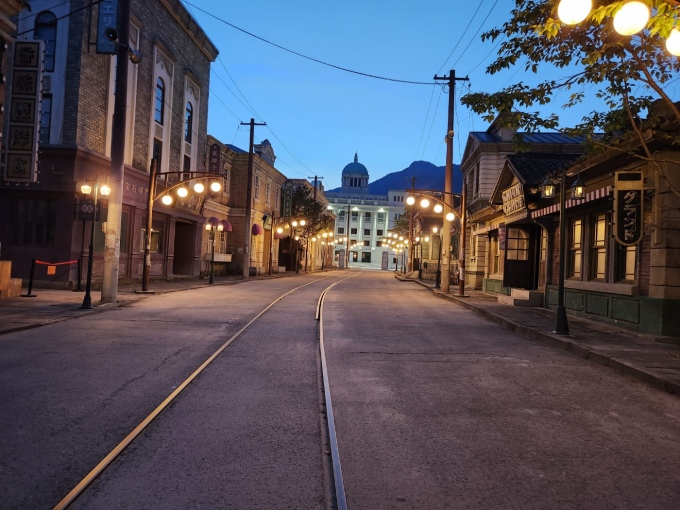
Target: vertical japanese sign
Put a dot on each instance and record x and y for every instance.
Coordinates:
(214, 161)
(108, 18)
(629, 187)
(22, 143)
(288, 198)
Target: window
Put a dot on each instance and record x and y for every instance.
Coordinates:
(367, 231)
(257, 187)
(341, 230)
(157, 152)
(355, 215)
(544, 245)
(366, 257)
(160, 100)
(46, 29)
(355, 256)
(380, 232)
(598, 249)
(35, 222)
(495, 255)
(367, 216)
(477, 172)
(517, 244)
(186, 168)
(276, 197)
(353, 231)
(188, 122)
(396, 215)
(341, 216)
(378, 244)
(156, 236)
(575, 249)
(625, 263)
(268, 192)
(45, 118)
(381, 217)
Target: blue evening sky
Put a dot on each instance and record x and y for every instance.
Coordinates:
(323, 115)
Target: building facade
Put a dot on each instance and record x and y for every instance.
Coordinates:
(166, 120)
(364, 220)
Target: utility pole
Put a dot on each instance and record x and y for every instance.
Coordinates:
(445, 237)
(112, 236)
(316, 179)
(410, 228)
(249, 200)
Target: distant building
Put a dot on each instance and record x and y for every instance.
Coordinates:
(370, 218)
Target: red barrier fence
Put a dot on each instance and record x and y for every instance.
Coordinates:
(51, 269)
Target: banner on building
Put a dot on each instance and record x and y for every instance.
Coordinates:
(108, 18)
(513, 199)
(288, 198)
(628, 198)
(21, 158)
(215, 156)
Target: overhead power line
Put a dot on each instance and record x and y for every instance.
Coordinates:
(461, 37)
(305, 56)
(95, 2)
(473, 37)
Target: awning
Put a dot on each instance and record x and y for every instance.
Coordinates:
(486, 230)
(227, 226)
(593, 195)
(278, 236)
(257, 230)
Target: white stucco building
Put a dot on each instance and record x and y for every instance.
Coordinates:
(370, 218)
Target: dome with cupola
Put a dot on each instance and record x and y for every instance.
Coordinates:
(355, 167)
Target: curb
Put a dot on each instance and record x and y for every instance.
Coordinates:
(619, 365)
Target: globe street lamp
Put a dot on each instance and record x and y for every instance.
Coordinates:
(213, 225)
(86, 189)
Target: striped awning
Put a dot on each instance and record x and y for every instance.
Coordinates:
(593, 195)
(487, 229)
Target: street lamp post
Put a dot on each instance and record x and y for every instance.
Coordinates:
(578, 193)
(213, 225)
(438, 277)
(86, 190)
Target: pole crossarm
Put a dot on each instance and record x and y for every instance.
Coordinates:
(425, 194)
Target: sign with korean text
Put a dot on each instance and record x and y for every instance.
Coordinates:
(108, 18)
(513, 199)
(628, 197)
(214, 161)
(21, 158)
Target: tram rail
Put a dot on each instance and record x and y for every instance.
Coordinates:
(339, 492)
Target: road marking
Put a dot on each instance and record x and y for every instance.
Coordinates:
(92, 475)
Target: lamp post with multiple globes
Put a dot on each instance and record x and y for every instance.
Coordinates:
(86, 189)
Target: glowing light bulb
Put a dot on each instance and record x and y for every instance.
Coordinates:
(450, 216)
(410, 200)
(215, 186)
(105, 190)
(438, 208)
(424, 203)
(673, 42)
(167, 199)
(199, 188)
(631, 18)
(572, 12)
(182, 192)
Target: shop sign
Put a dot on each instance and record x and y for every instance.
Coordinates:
(513, 199)
(21, 158)
(288, 198)
(215, 153)
(501, 237)
(629, 187)
(108, 18)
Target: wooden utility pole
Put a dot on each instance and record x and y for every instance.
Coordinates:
(445, 237)
(316, 180)
(112, 235)
(249, 200)
(410, 228)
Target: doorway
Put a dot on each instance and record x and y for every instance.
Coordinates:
(519, 258)
(185, 236)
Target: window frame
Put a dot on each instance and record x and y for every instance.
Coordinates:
(45, 129)
(160, 86)
(50, 52)
(188, 122)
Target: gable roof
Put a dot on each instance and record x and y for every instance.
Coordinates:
(486, 137)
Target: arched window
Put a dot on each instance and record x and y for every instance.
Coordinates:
(160, 100)
(46, 29)
(188, 122)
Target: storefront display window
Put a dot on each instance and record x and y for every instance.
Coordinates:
(575, 249)
(598, 253)
(517, 244)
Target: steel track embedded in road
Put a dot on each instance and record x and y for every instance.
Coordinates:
(108, 460)
(335, 454)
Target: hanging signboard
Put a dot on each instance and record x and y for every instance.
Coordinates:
(215, 153)
(288, 198)
(22, 142)
(513, 199)
(108, 18)
(629, 187)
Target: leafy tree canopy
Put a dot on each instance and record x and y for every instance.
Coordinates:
(627, 74)
(400, 226)
(313, 211)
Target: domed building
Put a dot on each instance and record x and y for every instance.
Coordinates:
(370, 218)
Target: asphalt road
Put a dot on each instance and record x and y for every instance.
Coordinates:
(434, 406)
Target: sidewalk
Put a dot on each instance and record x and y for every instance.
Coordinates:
(651, 359)
(51, 306)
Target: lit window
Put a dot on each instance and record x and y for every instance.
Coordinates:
(598, 254)
(517, 244)
(575, 249)
(626, 262)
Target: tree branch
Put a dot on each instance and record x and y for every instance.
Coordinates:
(652, 83)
